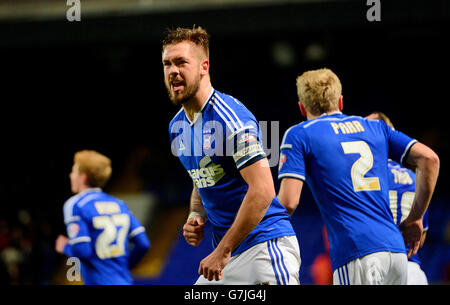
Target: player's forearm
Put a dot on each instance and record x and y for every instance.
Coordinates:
(289, 194)
(252, 210)
(426, 177)
(426, 164)
(196, 205)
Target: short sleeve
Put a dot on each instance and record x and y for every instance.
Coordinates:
(399, 144)
(135, 227)
(76, 227)
(292, 155)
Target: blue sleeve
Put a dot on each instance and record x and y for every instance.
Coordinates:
(79, 240)
(242, 136)
(140, 241)
(141, 244)
(425, 221)
(80, 250)
(399, 144)
(292, 155)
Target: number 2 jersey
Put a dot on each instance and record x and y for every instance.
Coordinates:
(344, 161)
(222, 139)
(99, 227)
(402, 188)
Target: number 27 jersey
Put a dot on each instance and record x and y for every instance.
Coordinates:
(106, 224)
(344, 161)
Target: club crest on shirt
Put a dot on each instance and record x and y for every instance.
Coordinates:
(207, 141)
(72, 230)
(282, 161)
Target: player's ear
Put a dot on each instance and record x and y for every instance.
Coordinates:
(341, 103)
(204, 67)
(302, 108)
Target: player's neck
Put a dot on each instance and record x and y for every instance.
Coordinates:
(311, 116)
(195, 104)
(83, 188)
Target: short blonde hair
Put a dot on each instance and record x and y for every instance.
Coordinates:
(319, 91)
(96, 166)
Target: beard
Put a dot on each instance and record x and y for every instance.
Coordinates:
(181, 97)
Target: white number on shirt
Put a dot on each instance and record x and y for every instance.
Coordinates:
(105, 246)
(361, 166)
(405, 204)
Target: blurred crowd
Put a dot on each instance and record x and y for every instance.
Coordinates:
(26, 249)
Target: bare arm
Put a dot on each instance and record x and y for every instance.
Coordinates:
(196, 205)
(193, 228)
(260, 194)
(426, 163)
(289, 194)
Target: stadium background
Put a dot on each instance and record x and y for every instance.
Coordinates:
(98, 84)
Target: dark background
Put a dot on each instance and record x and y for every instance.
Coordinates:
(98, 84)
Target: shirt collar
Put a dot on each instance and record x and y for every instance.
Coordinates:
(198, 114)
(89, 190)
(331, 113)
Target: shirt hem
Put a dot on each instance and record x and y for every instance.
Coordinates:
(261, 240)
(361, 254)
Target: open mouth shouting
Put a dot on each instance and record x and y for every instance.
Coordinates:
(177, 85)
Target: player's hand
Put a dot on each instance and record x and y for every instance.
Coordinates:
(412, 234)
(193, 230)
(60, 243)
(211, 266)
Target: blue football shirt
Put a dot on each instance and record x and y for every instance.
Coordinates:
(223, 138)
(402, 188)
(106, 225)
(343, 160)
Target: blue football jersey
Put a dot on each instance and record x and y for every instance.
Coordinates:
(343, 160)
(222, 139)
(402, 188)
(107, 225)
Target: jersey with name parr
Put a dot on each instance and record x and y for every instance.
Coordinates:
(223, 138)
(343, 159)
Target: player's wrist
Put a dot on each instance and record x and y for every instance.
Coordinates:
(224, 249)
(194, 214)
(415, 215)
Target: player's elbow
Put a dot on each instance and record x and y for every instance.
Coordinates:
(424, 158)
(145, 246)
(268, 193)
(264, 193)
(434, 161)
(290, 204)
(429, 162)
(141, 250)
(142, 243)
